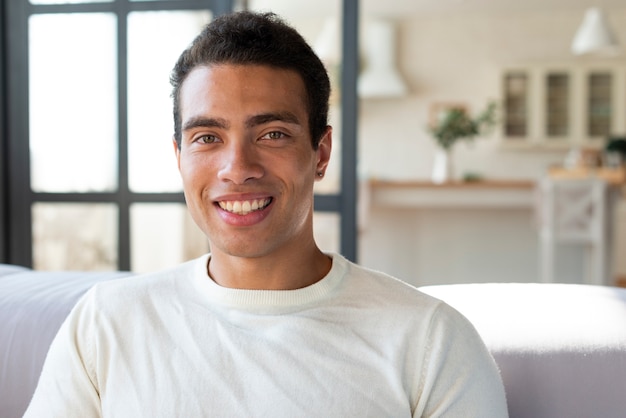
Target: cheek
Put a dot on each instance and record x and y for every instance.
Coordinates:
(301, 165)
(194, 169)
(187, 176)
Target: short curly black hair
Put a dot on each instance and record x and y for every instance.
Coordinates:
(249, 38)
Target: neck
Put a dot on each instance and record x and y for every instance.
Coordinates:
(272, 272)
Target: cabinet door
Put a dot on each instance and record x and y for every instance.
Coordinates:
(516, 104)
(599, 104)
(557, 105)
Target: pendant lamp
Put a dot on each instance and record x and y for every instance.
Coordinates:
(594, 36)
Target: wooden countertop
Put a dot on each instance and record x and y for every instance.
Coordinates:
(486, 194)
(476, 184)
(613, 176)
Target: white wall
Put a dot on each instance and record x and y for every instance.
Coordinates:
(458, 58)
(455, 56)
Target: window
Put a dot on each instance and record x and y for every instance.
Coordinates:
(88, 175)
(74, 171)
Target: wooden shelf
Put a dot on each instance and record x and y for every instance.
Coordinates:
(476, 194)
(478, 184)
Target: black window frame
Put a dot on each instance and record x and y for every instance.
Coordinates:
(3, 135)
(16, 195)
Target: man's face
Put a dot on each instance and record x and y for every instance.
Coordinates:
(246, 158)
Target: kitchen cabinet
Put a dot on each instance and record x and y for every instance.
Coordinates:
(563, 106)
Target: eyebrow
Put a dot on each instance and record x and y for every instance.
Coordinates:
(263, 118)
(203, 122)
(252, 121)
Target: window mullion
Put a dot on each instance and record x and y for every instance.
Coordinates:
(18, 207)
(349, 106)
(124, 195)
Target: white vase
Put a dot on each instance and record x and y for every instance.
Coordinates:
(442, 166)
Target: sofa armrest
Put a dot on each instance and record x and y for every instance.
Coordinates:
(561, 348)
(33, 305)
(6, 269)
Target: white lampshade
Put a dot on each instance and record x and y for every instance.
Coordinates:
(380, 77)
(594, 36)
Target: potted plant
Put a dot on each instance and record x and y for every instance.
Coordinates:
(452, 125)
(615, 151)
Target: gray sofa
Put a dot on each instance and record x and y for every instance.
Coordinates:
(32, 307)
(561, 348)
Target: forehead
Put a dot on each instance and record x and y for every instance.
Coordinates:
(242, 88)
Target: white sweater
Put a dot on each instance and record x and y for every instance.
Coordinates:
(355, 344)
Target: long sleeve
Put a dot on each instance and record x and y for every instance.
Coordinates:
(459, 378)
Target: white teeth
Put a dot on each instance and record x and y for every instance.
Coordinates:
(244, 207)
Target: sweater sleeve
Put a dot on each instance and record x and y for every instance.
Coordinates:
(460, 378)
(67, 385)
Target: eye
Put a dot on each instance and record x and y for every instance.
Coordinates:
(274, 135)
(207, 139)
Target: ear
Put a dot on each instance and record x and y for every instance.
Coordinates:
(176, 151)
(323, 152)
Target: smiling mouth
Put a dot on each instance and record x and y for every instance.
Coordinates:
(244, 207)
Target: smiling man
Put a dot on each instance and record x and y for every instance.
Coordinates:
(266, 325)
(248, 166)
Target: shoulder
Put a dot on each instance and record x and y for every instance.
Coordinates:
(391, 297)
(402, 305)
(370, 284)
(134, 291)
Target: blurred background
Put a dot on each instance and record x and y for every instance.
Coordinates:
(89, 179)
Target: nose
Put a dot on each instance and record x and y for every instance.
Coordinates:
(240, 163)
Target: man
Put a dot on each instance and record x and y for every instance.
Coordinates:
(266, 324)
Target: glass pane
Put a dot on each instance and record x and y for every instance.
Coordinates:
(155, 40)
(68, 1)
(327, 231)
(516, 104)
(163, 235)
(557, 104)
(73, 102)
(75, 236)
(599, 117)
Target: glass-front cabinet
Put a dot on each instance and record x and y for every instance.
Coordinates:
(563, 105)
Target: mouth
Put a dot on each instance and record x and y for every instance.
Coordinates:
(244, 207)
